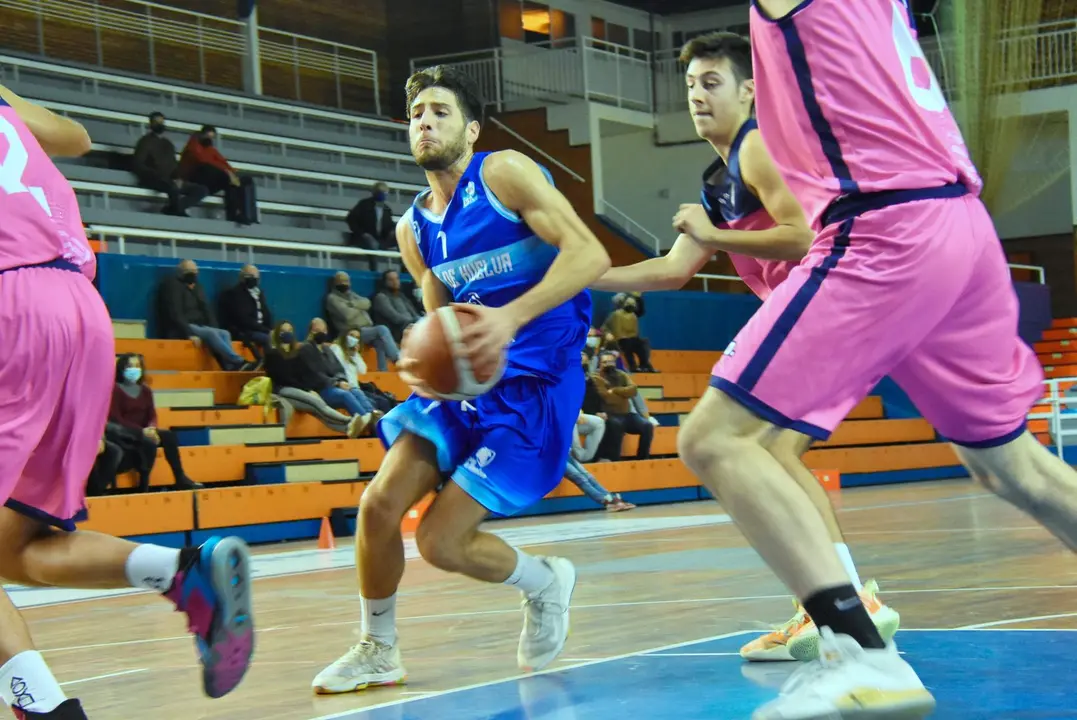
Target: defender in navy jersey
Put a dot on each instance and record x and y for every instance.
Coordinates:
(748, 211)
(493, 235)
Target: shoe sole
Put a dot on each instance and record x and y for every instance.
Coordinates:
(566, 599)
(920, 705)
(777, 654)
(804, 646)
(230, 644)
(378, 680)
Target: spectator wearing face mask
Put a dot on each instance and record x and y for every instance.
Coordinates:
(371, 221)
(339, 394)
(348, 310)
(392, 308)
(244, 311)
(202, 163)
(184, 313)
(155, 165)
(616, 390)
(623, 325)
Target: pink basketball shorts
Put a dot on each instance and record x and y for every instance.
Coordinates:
(919, 291)
(57, 371)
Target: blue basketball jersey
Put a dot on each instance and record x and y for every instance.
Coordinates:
(725, 196)
(485, 254)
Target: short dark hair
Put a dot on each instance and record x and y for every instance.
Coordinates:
(122, 361)
(717, 45)
(156, 114)
(207, 129)
(457, 82)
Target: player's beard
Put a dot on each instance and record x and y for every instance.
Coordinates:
(444, 157)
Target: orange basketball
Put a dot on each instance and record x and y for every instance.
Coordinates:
(435, 346)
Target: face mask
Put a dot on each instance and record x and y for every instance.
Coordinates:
(320, 337)
(286, 338)
(189, 278)
(593, 341)
(381, 197)
(206, 142)
(609, 368)
(132, 374)
(352, 341)
(251, 282)
(343, 288)
(630, 307)
(157, 129)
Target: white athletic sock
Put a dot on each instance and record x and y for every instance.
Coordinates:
(531, 575)
(847, 561)
(27, 683)
(152, 567)
(379, 619)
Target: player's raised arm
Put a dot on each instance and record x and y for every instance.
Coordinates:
(791, 235)
(521, 186)
(435, 294)
(58, 136)
(668, 272)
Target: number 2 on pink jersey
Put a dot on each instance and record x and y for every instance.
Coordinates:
(13, 166)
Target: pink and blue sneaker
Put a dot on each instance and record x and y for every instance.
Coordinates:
(213, 587)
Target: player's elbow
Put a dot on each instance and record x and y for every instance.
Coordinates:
(800, 243)
(65, 138)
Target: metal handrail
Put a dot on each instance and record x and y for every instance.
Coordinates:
(550, 158)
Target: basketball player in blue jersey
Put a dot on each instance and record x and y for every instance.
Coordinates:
(493, 233)
(749, 212)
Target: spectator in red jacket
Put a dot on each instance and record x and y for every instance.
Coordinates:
(202, 163)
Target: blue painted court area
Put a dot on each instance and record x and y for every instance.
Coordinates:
(974, 674)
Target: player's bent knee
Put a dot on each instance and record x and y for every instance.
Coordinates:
(379, 510)
(714, 430)
(444, 550)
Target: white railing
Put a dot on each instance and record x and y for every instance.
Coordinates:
(536, 149)
(163, 28)
(1056, 413)
(629, 226)
(323, 253)
(556, 71)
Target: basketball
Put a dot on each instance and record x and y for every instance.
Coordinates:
(434, 344)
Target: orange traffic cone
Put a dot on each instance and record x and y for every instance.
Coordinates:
(326, 541)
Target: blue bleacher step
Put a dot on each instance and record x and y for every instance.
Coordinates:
(229, 435)
(298, 471)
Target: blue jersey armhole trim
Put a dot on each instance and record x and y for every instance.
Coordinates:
(4, 103)
(788, 17)
(492, 198)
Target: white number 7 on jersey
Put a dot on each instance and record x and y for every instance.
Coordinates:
(14, 164)
(908, 50)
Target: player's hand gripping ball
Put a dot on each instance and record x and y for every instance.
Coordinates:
(435, 362)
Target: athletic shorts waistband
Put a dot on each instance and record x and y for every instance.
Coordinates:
(57, 264)
(856, 204)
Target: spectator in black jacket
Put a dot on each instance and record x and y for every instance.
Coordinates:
(184, 313)
(371, 221)
(244, 311)
(157, 168)
(393, 308)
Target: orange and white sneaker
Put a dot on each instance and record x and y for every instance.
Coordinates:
(798, 639)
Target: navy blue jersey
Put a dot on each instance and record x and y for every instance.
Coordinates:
(725, 196)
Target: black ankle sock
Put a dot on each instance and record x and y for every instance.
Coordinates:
(188, 557)
(841, 610)
(69, 709)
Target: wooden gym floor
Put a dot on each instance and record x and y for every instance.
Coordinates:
(948, 556)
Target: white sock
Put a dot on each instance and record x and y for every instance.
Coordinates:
(847, 561)
(379, 619)
(152, 567)
(27, 683)
(531, 575)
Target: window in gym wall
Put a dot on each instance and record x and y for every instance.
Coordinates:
(536, 22)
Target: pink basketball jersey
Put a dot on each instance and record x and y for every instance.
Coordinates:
(41, 220)
(761, 276)
(847, 103)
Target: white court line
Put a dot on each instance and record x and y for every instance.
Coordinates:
(102, 677)
(729, 654)
(356, 712)
(997, 623)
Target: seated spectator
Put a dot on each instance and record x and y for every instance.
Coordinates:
(577, 474)
(371, 221)
(393, 308)
(593, 428)
(348, 310)
(155, 165)
(244, 311)
(105, 468)
(204, 164)
(340, 394)
(132, 425)
(297, 383)
(616, 390)
(184, 313)
(623, 325)
(348, 349)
